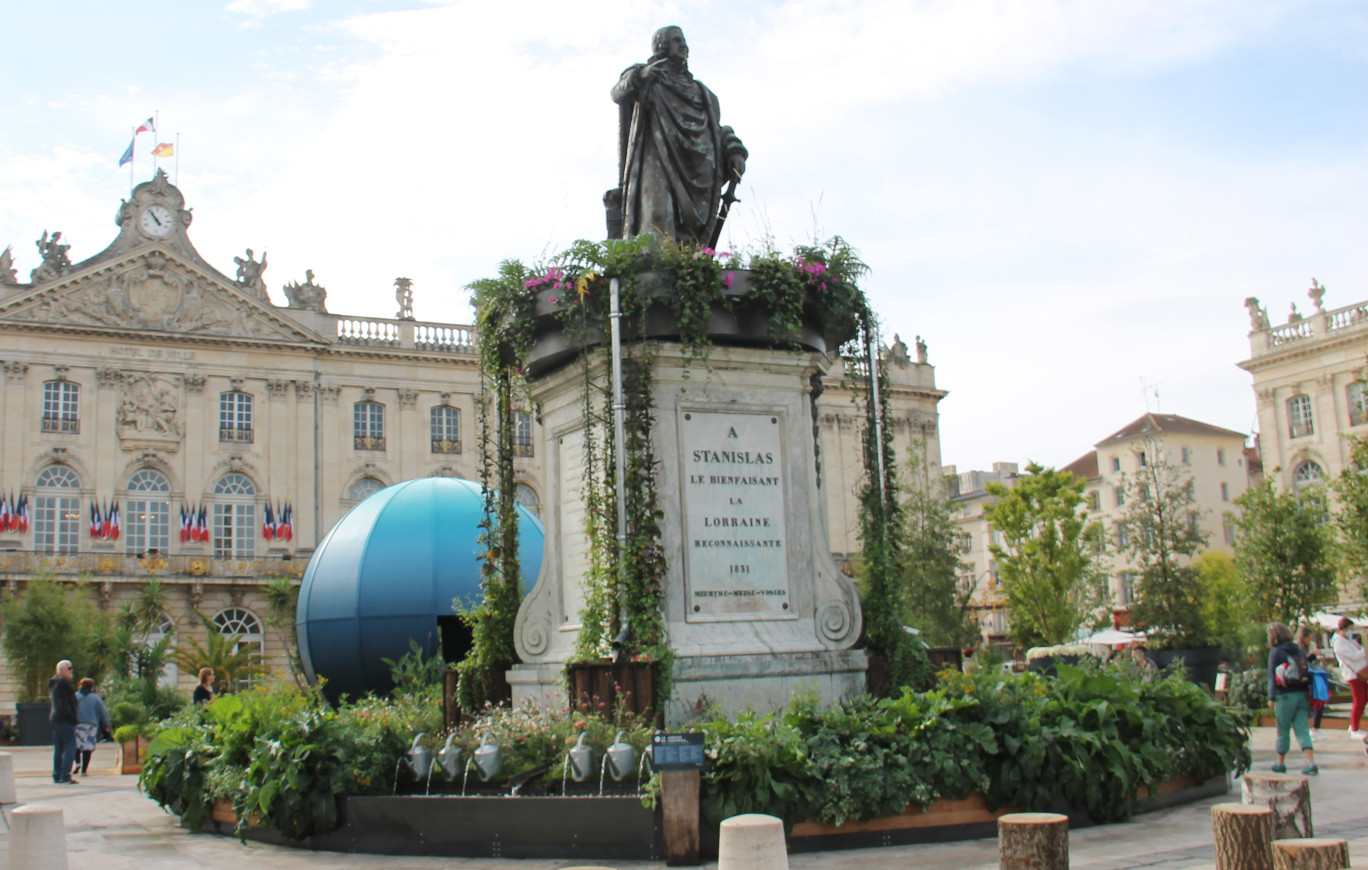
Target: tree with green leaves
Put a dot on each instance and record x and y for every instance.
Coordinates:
(49, 622)
(282, 599)
(936, 599)
(1225, 604)
(1164, 534)
(1351, 520)
(1051, 578)
(1284, 550)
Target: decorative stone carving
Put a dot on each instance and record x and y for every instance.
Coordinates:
(277, 388)
(1258, 317)
(407, 398)
(329, 392)
(307, 296)
(370, 394)
(304, 390)
(536, 636)
(235, 384)
(149, 405)
(445, 471)
(55, 261)
(1316, 294)
(155, 294)
(61, 372)
(196, 595)
(237, 594)
(897, 354)
(249, 274)
(7, 275)
(108, 376)
(15, 370)
(921, 350)
(1265, 397)
(105, 591)
(403, 294)
(1295, 315)
(194, 383)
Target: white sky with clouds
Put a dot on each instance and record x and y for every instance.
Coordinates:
(1065, 199)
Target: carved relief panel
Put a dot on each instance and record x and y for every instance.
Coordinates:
(149, 410)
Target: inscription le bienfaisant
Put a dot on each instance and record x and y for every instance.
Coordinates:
(734, 510)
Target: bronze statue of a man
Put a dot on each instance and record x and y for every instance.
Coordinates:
(675, 157)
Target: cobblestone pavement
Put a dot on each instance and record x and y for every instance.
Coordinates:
(110, 826)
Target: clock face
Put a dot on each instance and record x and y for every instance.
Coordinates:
(156, 220)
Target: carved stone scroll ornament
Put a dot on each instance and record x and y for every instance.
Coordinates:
(149, 405)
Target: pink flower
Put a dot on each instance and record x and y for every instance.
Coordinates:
(814, 268)
(552, 300)
(707, 251)
(727, 280)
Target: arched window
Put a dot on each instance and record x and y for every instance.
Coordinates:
(243, 624)
(235, 417)
(57, 511)
(147, 512)
(61, 407)
(1299, 420)
(446, 429)
(1307, 474)
(364, 488)
(368, 426)
(235, 516)
(527, 497)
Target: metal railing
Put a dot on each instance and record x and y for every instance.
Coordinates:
(15, 563)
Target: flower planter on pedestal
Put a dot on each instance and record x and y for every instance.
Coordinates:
(613, 687)
(131, 754)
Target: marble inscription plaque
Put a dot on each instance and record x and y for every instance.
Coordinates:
(735, 538)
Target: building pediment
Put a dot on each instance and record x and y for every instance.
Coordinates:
(153, 289)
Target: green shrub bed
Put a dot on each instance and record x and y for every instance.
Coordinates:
(1095, 736)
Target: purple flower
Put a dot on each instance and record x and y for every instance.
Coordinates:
(552, 300)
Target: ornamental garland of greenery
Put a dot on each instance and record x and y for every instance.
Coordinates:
(691, 283)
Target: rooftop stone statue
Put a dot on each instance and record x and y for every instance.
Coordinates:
(674, 156)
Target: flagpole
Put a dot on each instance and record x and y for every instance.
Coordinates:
(156, 124)
(133, 147)
(177, 181)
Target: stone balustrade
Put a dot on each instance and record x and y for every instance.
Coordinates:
(403, 334)
(21, 564)
(1317, 326)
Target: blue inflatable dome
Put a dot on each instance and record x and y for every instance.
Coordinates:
(387, 574)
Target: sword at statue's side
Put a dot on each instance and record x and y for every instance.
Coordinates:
(728, 197)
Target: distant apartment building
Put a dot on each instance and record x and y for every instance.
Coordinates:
(1214, 459)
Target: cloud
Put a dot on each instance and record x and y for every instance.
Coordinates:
(263, 8)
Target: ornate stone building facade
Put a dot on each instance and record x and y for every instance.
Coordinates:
(144, 377)
(1310, 385)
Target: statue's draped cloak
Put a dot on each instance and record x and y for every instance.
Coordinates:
(673, 154)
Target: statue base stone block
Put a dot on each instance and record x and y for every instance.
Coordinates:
(755, 607)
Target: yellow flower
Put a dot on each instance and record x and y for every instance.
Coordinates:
(582, 285)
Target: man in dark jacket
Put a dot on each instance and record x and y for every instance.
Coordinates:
(63, 718)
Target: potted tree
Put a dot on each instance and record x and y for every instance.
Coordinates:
(46, 623)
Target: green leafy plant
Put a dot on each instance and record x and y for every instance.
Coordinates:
(232, 663)
(1284, 551)
(48, 622)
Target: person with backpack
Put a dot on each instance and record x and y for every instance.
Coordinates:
(1354, 668)
(1289, 683)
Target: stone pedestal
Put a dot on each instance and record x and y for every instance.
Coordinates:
(756, 607)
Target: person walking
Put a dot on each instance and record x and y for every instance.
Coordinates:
(1306, 639)
(1353, 664)
(63, 717)
(1288, 696)
(92, 718)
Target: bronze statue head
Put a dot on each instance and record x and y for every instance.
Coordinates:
(669, 43)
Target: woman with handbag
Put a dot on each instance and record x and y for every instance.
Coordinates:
(91, 719)
(1353, 664)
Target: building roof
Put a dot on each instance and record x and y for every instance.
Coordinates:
(1084, 466)
(1168, 424)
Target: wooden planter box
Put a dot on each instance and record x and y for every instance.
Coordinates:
(612, 687)
(131, 754)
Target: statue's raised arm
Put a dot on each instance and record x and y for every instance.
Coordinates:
(675, 156)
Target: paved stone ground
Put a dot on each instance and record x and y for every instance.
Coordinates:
(110, 826)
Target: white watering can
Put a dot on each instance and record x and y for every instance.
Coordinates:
(581, 761)
(488, 759)
(419, 758)
(621, 758)
(450, 757)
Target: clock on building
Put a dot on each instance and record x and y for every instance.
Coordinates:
(156, 221)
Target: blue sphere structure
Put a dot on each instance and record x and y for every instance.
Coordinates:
(387, 574)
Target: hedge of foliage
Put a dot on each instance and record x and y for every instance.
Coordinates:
(1096, 736)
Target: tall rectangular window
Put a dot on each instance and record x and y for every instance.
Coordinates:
(368, 427)
(1186, 456)
(1220, 456)
(56, 524)
(446, 429)
(1299, 422)
(1127, 587)
(522, 435)
(235, 417)
(1225, 492)
(234, 531)
(61, 407)
(1228, 529)
(1120, 494)
(1358, 404)
(1116, 463)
